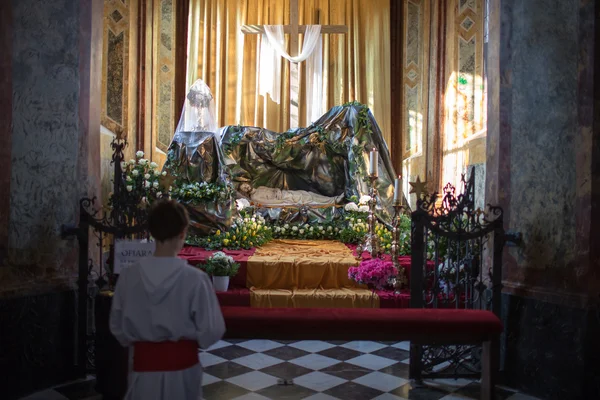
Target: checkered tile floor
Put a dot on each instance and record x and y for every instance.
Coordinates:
(255, 369)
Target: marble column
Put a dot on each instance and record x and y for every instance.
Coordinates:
(49, 149)
(543, 169)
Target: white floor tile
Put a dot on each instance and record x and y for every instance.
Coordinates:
(260, 345)
(220, 344)
(456, 396)
(381, 381)
(252, 396)
(364, 346)
(257, 361)
(312, 346)
(208, 359)
(402, 346)
(253, 381)
(318, 381)
(371, 361)
(320, 396)
(208, 379)
(314, 361)
(389, 396)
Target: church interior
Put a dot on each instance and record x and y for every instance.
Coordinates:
(394, 198)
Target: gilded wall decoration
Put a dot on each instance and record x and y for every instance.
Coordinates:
(115, 67)
(415, 76)
(464, 107)
(164, 73)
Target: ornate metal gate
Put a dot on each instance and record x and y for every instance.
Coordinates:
(456, 252)
(122, 219)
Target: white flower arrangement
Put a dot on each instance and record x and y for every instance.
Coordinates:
(141, 179)
(364, 200)
(241, 204)
(351, 207)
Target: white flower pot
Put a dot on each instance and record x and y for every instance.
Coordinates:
(221, 283)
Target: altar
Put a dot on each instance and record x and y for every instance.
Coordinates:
(301, 273)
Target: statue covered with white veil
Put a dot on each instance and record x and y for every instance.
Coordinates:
(195, 159)
(195, 152)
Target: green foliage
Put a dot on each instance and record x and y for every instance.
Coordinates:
(201, 192)
(234, 140)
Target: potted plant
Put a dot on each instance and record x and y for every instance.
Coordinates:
(221, 267)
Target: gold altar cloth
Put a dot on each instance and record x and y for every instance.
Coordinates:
(301, 264)
(314, 298)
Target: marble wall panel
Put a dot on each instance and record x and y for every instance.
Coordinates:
(46, 132)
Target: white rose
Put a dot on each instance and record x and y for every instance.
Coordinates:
(123, 165)
(363, 208)
(135, 172)
(351, 207)
(139, 154)
(294, 228)
(132, 161)
(329, 228)
(147, 176)
(320, 228)
(155, 185)
(147, 184)
(242, 203)
(129, 178)
(164, 173)
(364, 199)
(310, 229)
(143, 161)
(286, 226)
(129, 188)
(359, 220)
(153, 165)
(301, 231)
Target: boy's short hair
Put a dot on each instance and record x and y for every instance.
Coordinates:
(167, 220)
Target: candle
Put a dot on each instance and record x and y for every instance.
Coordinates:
(397, 189)
(373, 163)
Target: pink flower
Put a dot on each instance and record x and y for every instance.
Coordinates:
(376, 273)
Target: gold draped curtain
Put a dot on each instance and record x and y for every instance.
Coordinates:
(356, 66)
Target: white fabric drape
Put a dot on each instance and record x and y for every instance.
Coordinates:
(273, 47)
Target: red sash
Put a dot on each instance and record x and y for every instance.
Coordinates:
(164, 356)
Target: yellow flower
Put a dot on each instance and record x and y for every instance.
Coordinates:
(225, 242)
(233, 238)
(244, 238)
(218, 232)
(253, 234)
(208, 240)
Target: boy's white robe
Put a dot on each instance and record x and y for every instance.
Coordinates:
(164, 299)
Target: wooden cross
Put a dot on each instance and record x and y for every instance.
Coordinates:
(293, 29)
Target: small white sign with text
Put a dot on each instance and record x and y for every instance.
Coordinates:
(128, 252)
